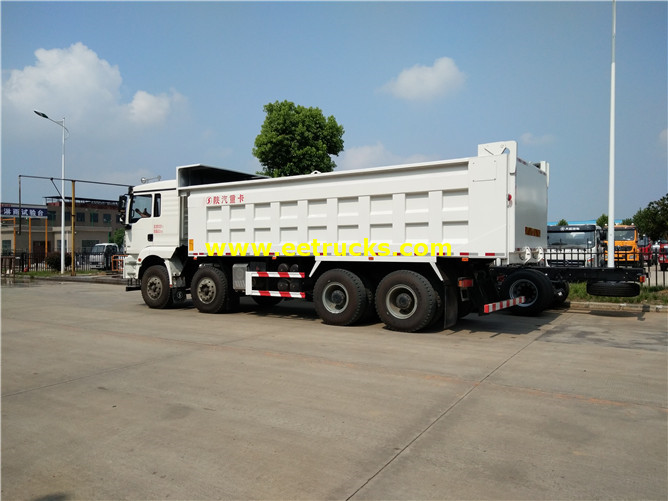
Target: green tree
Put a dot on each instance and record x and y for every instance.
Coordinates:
(602, 220)
(562, 222)
(297, 140)
(118, 237)
(653, 219)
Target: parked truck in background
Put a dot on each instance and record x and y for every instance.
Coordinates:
(420, 244)
(574, 245)
(101, 255)
(645, 250)
(660, 253)
(626, 245)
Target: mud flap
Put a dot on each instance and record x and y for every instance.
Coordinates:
(451, 306)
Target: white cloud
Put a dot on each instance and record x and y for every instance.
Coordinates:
(147, 109)
(113, 137)
(73, 76)
(427, 82)
(75, 82)
(376, 155)
(529, 139)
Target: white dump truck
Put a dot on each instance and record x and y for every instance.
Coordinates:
(417, 245)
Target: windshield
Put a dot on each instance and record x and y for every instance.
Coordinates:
(624, 235)
(97, 249)
(572, 239)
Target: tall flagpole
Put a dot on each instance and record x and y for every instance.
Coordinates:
(611, 183)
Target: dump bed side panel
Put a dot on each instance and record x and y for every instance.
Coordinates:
(460, 202)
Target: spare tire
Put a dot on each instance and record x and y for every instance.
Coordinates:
(613, 289)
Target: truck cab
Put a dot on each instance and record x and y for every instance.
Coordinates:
(626, 245)
(152, 231)
(574, 245)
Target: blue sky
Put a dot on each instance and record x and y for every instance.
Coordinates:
(147, 86)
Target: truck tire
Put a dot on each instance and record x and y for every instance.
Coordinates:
(340, 297)
(561, 291)
(534, 286)
(210, 290)
(406, 301)
(155, 287)
(613, 289)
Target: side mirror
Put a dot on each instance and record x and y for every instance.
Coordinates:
(122, 204)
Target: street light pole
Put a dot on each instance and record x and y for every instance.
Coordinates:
(611, 167)
(63, 250)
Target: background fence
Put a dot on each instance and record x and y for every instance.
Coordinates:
(656, 265)
(22, 262)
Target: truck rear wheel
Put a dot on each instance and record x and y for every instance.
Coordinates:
(210, 290)
(340, 297)
(155, 287)
(406, 301)
(534, 286)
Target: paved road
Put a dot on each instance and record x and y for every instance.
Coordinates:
(103, 398)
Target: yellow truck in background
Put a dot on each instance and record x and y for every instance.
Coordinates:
(626, 246)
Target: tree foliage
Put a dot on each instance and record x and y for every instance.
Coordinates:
(602, 220)
(653, 219)
(118, 237)
(297, 140)
(562, 222)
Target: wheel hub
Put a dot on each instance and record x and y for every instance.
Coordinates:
(404, 301)
(206, 291)
(338, 298)
(401, 301)
(154, 288)
(334, 297)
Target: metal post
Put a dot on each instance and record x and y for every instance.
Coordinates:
(611, 184)
(73, 239)
(29, 241)
(63, 247)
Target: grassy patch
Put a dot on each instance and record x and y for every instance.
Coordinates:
(648, 295)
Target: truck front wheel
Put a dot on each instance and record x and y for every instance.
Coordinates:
(155, 287)
(406, 301)
(210, 290)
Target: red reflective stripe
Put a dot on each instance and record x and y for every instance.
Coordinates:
(301, 295)
(277, 274)
(492, 307)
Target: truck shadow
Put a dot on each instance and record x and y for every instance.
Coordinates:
(499, 323)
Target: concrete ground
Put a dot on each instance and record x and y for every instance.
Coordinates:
(103, 398)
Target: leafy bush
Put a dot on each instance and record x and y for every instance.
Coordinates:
(53, 260)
